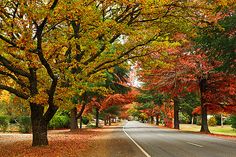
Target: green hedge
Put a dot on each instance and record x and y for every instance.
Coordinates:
(233, 120)
(24, 124)
(4, 122)
(58, 122)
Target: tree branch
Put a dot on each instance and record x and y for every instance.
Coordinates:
(6, 63)
(18, 81)
(126, 53)
(14, 91)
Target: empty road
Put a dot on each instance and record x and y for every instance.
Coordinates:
(155, 142)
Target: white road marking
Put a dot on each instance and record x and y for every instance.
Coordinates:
(194, 144)
(144, 152)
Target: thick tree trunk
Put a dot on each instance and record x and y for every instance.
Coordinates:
(152, 119)
(75, 116)
(97, 117)
(73, 119)
(203, 88)
(39, 125)
(39, 129)
(157, 119)
(204, 125)
(176, 113)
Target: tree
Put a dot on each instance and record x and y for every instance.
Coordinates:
(185, 72)
(49, 49)
(150, 103)
(116, 84)
(218, 41)
(187, 104)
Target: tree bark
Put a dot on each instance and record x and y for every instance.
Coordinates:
(204, 125)
(39, 125)
(97, 117)
(203, 88)
(152, 119)
(75, 116)
(73, 119)
(176, 113)
(81, 122)
(157, 119)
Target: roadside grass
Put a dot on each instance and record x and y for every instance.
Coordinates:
(226, 130)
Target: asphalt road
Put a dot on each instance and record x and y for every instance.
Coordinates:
(155, 142)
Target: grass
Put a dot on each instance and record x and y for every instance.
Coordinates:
(226, 130)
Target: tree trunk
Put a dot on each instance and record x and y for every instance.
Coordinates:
(203, 88)
(97, 117)
(221, 121)
(80, 122)
(204, 125)
(176, 113)
(73, 119)
(152, 119)
(109, 120)
(157, 119)
(39, 125)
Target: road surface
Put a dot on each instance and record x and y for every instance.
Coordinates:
(155, 142)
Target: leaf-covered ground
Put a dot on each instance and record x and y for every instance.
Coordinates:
(62, 143)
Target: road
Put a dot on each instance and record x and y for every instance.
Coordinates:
(155, 142)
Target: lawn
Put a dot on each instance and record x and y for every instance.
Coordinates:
(226, 130)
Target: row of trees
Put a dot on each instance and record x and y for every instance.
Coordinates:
(203, 66)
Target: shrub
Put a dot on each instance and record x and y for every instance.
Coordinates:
(228, 121)
(212, 121)
(184, 118)
(233, 120)
(168, 122)
(24, 124)
(12, 120)
(199, 120)
(91, 126)
(218, 119)
(59, 122)
(85, 120)
(4, 123)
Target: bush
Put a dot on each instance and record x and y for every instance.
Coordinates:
(199, 120)
(4, 123)
(12, 120)
(218, 119)
(233, 120)
(184, 118)
(228, 121)
(85, 120)
(58, 122)
(212, 121)
(24, 124)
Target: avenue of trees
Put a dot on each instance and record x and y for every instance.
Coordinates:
(75, 55)
(203, 69)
